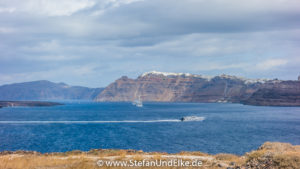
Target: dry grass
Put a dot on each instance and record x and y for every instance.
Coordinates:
(255, 155)
(32, 161)
(287, 160)
(269, 156)
(74, 160)
(275, 155)
(194, 153)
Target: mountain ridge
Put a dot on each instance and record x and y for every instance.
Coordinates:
(247, 80)
(165, 87)
(46, 90)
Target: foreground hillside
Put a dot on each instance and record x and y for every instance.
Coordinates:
(268, 156)
(46, 90)
(180, 87)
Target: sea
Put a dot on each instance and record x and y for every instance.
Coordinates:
(155, 127)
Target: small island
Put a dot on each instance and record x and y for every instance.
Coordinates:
(27, 103)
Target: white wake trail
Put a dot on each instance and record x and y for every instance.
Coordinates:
(183, 119)
(87, 122)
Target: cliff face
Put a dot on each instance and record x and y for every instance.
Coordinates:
(286, 93)
(155, 86)
(171, 87)
(45, 90)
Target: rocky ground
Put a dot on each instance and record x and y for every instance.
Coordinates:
(268, 156)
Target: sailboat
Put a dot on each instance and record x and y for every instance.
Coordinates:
(138, 103)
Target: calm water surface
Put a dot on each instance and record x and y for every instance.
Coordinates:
(227, 128)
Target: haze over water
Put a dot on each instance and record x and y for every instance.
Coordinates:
(227, 128)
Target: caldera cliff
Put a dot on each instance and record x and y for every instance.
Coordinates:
(181, 87)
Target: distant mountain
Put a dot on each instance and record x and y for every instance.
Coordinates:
(46, 90)
(184, 87)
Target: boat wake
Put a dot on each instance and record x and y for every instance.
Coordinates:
(87, 122)
(188, 118)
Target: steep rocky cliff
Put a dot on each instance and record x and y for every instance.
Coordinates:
(285, 93)
(180, 87)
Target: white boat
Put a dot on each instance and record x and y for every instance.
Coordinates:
(192, 118)
(138, 103)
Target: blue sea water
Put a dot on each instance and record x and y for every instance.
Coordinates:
(227, 128)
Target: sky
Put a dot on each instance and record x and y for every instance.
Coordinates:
(94, 42)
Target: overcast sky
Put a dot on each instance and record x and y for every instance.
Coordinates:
(94, 42)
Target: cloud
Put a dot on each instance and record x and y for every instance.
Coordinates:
(271, 63)
(6, 30)
(60, 8)
(52, 45)
(46, 7)
(57, 75)
(185, 17)
(128, 37)
(110, 4)
(9, 10)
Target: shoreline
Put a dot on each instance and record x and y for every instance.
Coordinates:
(27, 104)
(269, 155)
(41, 103)
(238, 103)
